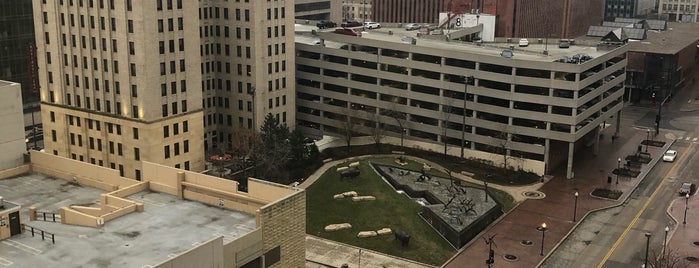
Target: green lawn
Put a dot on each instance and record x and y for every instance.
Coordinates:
(391, 210)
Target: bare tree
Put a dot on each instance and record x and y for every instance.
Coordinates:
(243, 144)
(350, 125)
(398, 116)
(669, 259)
(377, 130)
(501, 145)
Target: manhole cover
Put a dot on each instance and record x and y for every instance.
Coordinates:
(526, 243)
(534, 194)
(692, 259)
(510, 257)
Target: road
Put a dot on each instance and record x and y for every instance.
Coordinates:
(615, 237)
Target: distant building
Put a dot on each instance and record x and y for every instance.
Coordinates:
(398, 11)
(16, 34)
(359, 10)
(628, 8)
(679, 10)
(12, 143)
(318, 10)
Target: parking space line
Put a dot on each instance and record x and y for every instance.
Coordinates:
(22, 247)
(5, 262)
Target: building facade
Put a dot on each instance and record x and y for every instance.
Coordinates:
(12, 142)
(628, 8)
(679, 10)
(398, 11)
(531, 108)
(318, 10)
(16, 35)
(121, 82)
(165, 81)
(357, 10)
(247, 66)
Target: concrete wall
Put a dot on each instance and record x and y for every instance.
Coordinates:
(209, 254)
(12, 143)
(243, 250)
(84, 173)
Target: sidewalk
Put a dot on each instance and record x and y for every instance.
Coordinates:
(556, 209)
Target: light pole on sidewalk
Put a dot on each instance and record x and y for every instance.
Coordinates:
(575, 207)
(686, 201)
(645, 262)
(542, 229)
(618, 169)
(647, 139)
(667, 229)
(467, 80)
(485, 183)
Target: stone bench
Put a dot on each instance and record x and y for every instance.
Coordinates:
(384, 231)
(341, 169)
(354, 164)
(363, 198)
(364, 234)
(338, 226)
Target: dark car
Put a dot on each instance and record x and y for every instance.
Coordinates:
(348, 31)
(352, 23)
(326, 24)
(688, 188)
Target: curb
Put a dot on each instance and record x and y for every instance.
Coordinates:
(643, 175)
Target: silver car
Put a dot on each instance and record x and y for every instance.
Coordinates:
(412, 26)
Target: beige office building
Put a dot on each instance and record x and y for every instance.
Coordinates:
(521, 103)
(161, 81)
(247, 66)
(318, 10)
(358, 10)
(680, 10)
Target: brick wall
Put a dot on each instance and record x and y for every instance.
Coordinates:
(283, 224)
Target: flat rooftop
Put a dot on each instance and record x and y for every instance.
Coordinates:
(168, 226)
(675, 38)
(533, 52)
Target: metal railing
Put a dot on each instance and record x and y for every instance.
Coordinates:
(44, 234)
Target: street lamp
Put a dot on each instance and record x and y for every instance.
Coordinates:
(485, 183)
(618, 169)
(467, 80)
(542, 229)
(667, 229)
(647, 139)
(575, 207)
(645, 262)
(686, 200)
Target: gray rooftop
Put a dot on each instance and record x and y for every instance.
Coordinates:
(167, 227)
(534, 52)
(671, 41)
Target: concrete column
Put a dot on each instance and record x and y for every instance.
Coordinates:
(32, 213)
(618, 123)
(547, 144)
(180, 179)
(569, 170)
(596, 145)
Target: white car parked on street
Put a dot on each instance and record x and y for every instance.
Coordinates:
(372, 25)
(670, 156)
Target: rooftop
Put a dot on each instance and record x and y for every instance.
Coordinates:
(675, 38)
(167, 227)
(533, 52)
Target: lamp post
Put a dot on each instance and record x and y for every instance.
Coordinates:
(647, 138)
(645, 261)
(467, 80)
(485, 184)
(575, 207)
(542, 229)
(618, 169)
(667, 229)
(686, 200)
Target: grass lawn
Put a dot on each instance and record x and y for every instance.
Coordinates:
(390, 209)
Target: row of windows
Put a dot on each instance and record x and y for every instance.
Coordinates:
(217, 118)
(135, 110)
(170, 25)
(91, 3)
(173, 88)
(173, 68)
(176, 149)
(168, 4)
(175, 129)
(174, 109)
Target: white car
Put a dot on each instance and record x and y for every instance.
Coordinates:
(670, 156)
(523, 42)
(372, 25)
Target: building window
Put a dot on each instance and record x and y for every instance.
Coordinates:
(166, 150)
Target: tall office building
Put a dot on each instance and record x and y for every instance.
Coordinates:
(161, 81)
(120, 82)
(628, 8)
(317, 9)
(247, 64)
